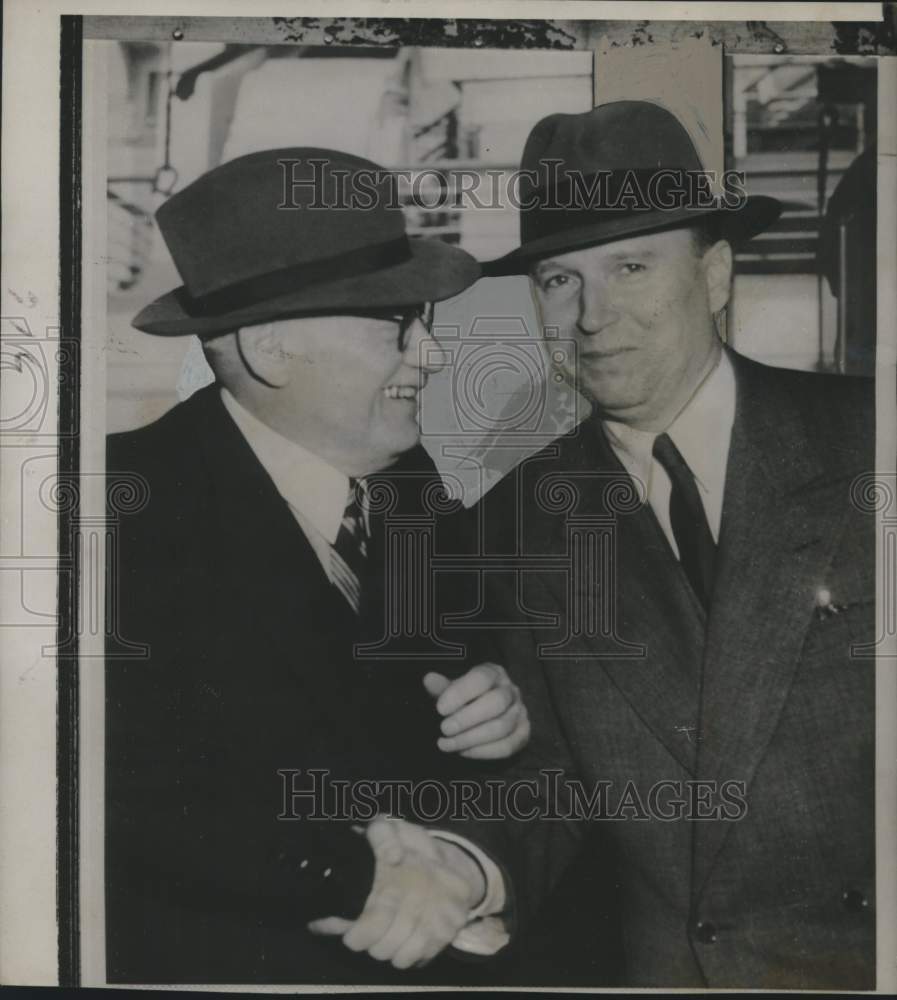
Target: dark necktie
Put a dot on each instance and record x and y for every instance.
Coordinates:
(349, 551)
(697, 550)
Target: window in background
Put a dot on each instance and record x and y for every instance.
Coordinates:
(802, 129)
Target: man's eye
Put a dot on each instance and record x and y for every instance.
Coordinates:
(556, 281)
(632, 267)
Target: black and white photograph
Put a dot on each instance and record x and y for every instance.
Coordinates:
(457, 534)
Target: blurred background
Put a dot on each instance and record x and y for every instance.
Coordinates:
(801, 129)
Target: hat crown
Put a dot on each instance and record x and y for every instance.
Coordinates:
(276, 211)
(616, 137)
(294, 231)
(622, 169)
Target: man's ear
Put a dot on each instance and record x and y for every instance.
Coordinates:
(264, 355)
(717, 263)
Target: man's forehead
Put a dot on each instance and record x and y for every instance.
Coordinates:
(651, 244)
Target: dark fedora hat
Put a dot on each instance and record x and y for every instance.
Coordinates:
(289, 232)
(625, 168)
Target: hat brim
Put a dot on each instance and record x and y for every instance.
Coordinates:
(435, 271)
(757, 213)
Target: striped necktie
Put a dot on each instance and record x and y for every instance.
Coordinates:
(349, 552)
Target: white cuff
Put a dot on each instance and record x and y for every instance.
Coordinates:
(484, 933)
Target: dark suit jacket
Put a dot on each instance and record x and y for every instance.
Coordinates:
(764, 691)
(250, 670)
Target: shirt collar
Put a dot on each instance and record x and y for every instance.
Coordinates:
(701, 431)
(309, 484)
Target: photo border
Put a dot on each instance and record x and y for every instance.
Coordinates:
(71, 37)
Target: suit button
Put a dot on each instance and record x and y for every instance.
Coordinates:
(854, 900)
(705, 932)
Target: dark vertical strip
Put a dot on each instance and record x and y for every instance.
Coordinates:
(69, 385)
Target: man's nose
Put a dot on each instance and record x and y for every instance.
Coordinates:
(423, 350)
(596, 308)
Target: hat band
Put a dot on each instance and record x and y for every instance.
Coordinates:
(604, 197)
(275, 284)
(548, 224)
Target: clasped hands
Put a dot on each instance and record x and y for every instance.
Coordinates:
(425, 888)
(423, 892)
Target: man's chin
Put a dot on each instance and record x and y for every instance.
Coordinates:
(398, 446)
(629, 411)
(613, 400)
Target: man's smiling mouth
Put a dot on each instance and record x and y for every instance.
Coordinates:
(401, 391)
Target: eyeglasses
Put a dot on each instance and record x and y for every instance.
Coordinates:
(403, 316)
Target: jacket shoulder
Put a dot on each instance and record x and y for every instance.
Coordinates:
(541, 486)
(164, 463)
(166, 450)
(855, 391)
(157, 438)
(836, 412)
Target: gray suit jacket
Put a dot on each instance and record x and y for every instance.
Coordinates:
(628, 680)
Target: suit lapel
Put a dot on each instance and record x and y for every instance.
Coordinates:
(654, 652)
(268, 555)
(278, 573)
(779, 529)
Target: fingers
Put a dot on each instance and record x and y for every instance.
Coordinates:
(417, 950)
(500, 749)
(423, 946)
(476, 682)
(489, 707)
(493, 740)
(375, 920)
(330, 925)
(402, 931)
(485, 732)
(405, 930)
(415, 908)
(485, 718)
(387, 833)
(415, 838)
(435, 683)
(384, 836)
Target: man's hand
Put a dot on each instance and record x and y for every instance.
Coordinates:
(423, 892)
(484, 716)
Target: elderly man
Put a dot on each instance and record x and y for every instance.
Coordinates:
(253, 576)
(697, 583)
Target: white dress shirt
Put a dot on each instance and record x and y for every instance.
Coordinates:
(317, 494)
(702, 432)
